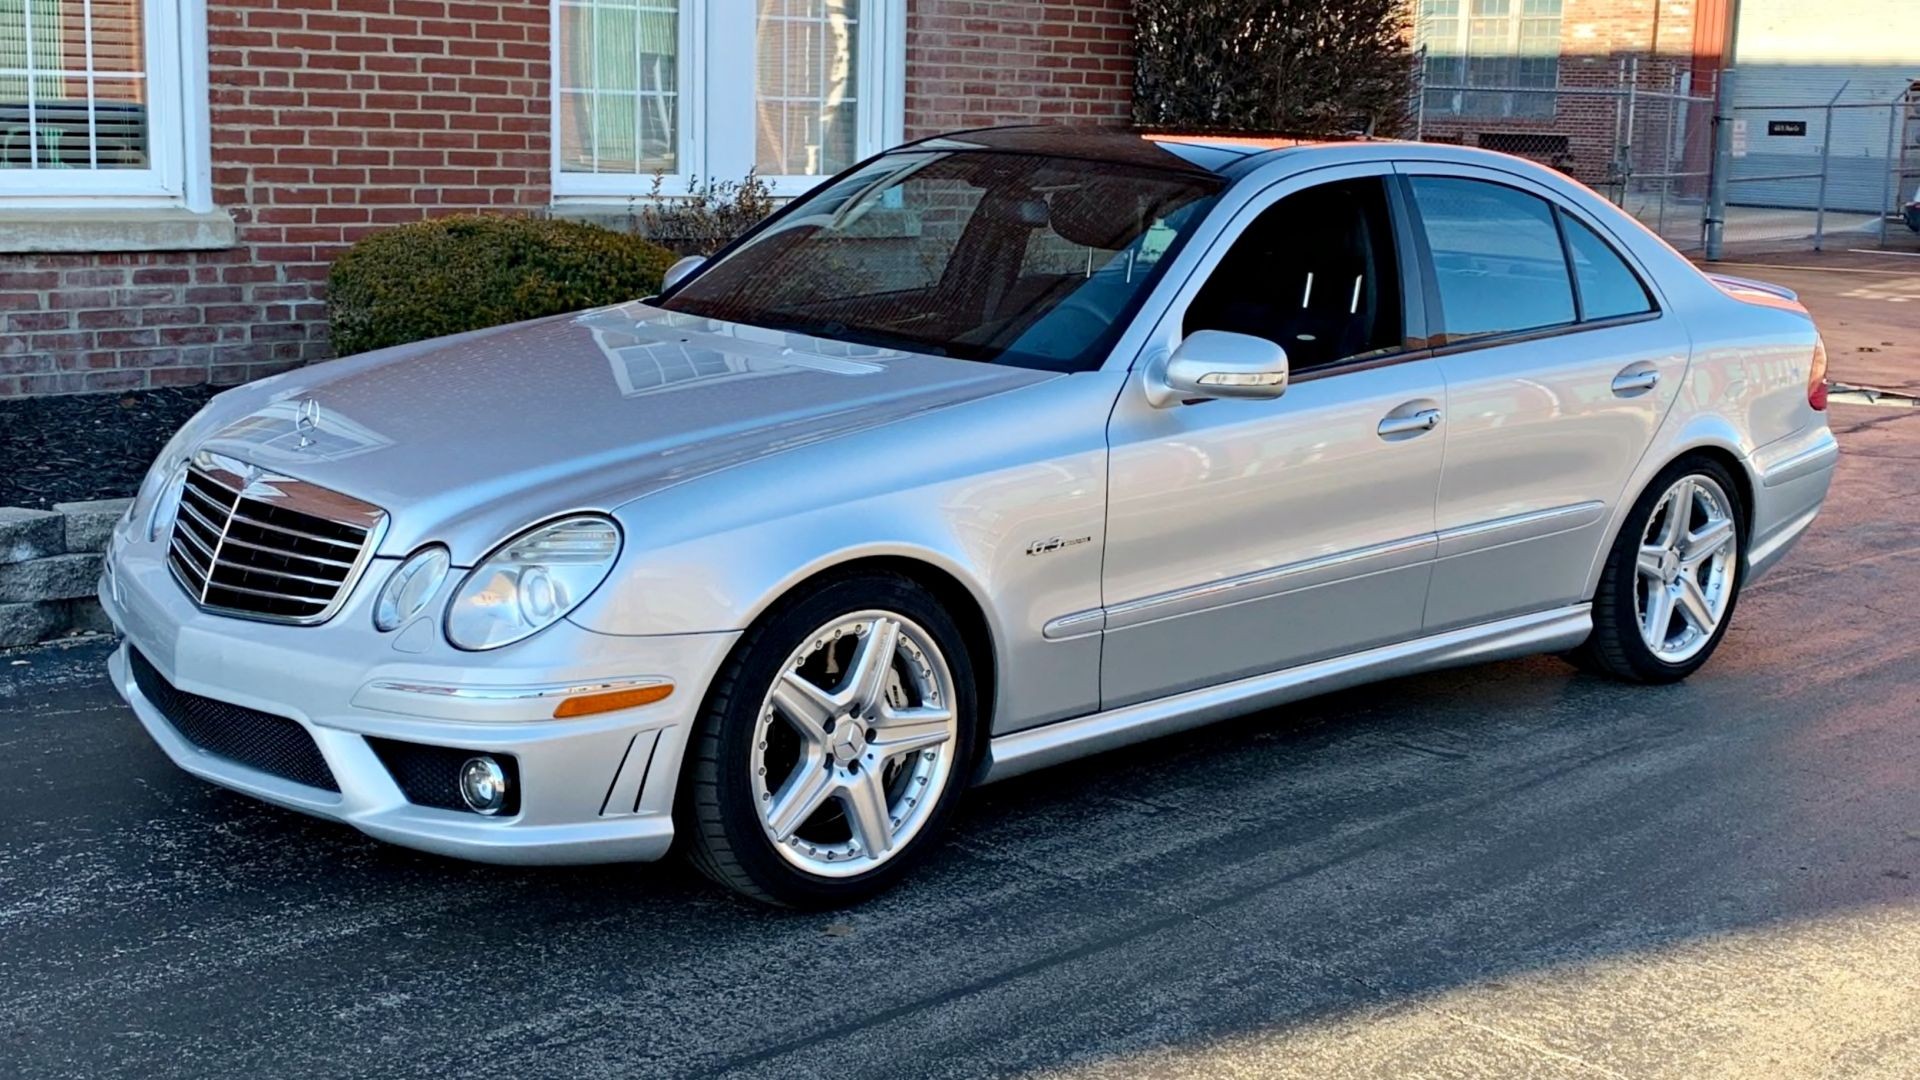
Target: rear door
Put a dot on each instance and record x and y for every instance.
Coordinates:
(1559, 365)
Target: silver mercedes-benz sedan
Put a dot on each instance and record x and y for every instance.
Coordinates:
(998, 449)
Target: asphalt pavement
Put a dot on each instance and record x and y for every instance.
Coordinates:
(1512, 869)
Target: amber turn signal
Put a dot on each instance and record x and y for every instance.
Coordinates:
(590, 704)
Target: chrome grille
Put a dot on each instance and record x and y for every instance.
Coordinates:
(268, 547)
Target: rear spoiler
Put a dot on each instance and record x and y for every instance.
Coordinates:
(1747, 285)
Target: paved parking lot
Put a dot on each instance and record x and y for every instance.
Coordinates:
(1513, 869)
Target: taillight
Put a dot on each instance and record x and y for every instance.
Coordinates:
(1817, 376)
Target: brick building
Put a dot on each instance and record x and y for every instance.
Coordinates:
(1556, 70)
(1547, 79)
(176, 175)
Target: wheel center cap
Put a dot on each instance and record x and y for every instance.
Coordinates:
(1670, 566)
(849, 740)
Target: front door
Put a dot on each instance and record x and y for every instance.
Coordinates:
(1559, 367)
(1249, 536)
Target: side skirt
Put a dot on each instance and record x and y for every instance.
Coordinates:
(1049, 744)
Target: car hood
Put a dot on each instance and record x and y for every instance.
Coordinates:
(466, 440)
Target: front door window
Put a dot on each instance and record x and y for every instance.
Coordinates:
(1314, 274)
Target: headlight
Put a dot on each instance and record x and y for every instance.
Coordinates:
(167, 503)
(159, 493)
(410, 587)
(532, 581)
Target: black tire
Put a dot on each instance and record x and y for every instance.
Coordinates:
(715, 806)
(1616, 646)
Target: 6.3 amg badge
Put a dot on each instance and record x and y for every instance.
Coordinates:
(1053, 544)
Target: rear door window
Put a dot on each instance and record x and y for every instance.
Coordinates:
(1496, 257)
(1609, 289)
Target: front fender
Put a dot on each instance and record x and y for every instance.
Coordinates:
(1006, 496)
(727, 581)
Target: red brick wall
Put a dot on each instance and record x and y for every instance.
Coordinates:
(329, 118)
(974, 63)
(1598, 37)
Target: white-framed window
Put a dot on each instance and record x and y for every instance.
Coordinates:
(1508, 44)
(792, 90)
(102, 102)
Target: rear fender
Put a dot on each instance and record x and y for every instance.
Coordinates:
(1708, 432)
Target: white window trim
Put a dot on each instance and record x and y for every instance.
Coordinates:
(1460, 50)
(180, 169)
(691, 67)
(717, 103)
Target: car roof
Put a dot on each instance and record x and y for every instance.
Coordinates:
(1232, 158)
(1222, 155)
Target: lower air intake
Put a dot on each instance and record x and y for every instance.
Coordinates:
(275, 745)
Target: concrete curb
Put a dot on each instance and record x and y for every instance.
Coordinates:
(49, 564)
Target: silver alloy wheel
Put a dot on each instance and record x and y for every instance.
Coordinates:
(854, 743)
(1686, 568)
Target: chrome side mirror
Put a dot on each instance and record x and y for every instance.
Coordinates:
(681, 270)
(1218, 364)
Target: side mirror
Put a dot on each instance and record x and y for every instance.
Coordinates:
(681, 270)
(1218, 364)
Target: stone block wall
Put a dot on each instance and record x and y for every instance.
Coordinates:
(49, 567)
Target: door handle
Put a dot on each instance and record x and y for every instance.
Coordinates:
(1635, 382)
(1424, 420)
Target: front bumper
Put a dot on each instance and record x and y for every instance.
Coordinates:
(596, 789)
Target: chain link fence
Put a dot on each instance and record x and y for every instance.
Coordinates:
(1642, 133)
(1838, 165)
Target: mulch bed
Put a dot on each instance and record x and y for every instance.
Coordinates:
(87, 446)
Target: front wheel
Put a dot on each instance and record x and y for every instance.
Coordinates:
(1667, 593)
(832, 746)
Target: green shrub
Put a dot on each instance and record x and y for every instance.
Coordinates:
(454, 274)
(1299, 67)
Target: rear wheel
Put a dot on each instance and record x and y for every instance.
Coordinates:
(832, 746)
(1668, 590)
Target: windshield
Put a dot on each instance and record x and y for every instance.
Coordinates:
(1006, 258)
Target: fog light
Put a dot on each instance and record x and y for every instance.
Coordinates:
(483, 785)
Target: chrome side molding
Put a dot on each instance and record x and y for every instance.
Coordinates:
(1256, 585)
(1821, 455)
(1498, 532)
(1049, 744)
(1307, 573)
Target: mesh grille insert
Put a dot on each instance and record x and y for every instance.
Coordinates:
(272, 744)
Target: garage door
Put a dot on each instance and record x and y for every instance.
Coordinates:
(1792, 57)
